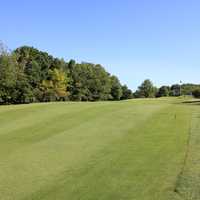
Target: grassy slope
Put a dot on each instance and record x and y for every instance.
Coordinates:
(90, 151)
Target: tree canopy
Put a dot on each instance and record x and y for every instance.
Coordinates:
(29, 75)
(146, 90)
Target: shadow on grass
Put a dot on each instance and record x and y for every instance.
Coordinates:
(192, 102)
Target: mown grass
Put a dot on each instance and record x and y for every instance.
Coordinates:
(94, 151)
(188, 182)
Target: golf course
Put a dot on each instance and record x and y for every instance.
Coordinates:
(142, 149)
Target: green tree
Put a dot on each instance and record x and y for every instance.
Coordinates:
(28, 56)
(71, 65)
(175, 90)
(14, 86)
(187, 89)
(196, 93)
(163, 91)
(22, 91)
(29, 75)
(146, 89)
(116, 89)
(7, 75)
(126, 93)
(89, 83)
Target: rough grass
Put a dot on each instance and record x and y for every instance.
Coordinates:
(131, 150)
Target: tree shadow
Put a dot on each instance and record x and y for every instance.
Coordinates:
(192, 102)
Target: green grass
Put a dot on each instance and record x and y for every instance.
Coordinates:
(188, 182)
(130, 150)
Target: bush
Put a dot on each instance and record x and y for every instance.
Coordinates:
(196, 93)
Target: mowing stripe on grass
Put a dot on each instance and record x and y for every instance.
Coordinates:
(103, 151)
(188, 185)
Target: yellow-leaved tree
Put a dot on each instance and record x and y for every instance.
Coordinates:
(55, 87)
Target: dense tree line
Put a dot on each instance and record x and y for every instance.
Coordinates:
(148, 90)
(29, 75)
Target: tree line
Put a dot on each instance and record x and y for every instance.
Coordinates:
(148, 90)
(28, 75)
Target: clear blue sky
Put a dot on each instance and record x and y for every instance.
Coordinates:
(134, 39)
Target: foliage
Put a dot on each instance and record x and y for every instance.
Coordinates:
(187, 89)
(126, 93)
(146, 90)
(54, 88)
(89, 83)
(163, 91)
(29, 75)
(8, 77)
(175, 90)
(196, 93)
(116, 88)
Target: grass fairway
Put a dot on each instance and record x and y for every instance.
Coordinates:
(131, 150)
